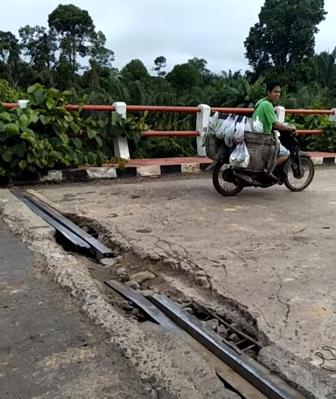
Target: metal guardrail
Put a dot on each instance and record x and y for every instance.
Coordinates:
(195, 133)
(182, 109)
(202, 111)
(179, 109)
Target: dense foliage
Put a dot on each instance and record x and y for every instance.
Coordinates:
(68, 61)
(46, 135)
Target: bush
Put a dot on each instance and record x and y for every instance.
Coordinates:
(46, 136)
(316, 142)
(164, 147)
(7, 93)
(325, 141)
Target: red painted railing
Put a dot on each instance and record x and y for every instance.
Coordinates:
(249, 111)
(167, 133)
(188, 133)
(195, 133)
(305, 132)
(166, 108)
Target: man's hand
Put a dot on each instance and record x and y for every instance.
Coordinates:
(284, 127)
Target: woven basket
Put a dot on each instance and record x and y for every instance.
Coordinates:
(263, 151)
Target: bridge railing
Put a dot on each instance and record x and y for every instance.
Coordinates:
(202, 111)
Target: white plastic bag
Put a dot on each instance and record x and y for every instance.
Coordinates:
(220, 132)
(211, 130)
(257, 126)
(213, 123)
(239, 130)
(248, 125)
(240, 157)
(216, 127)
(229, 130)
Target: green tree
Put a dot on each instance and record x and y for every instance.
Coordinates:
(100, 60)
(136, 78)
(284, 34)
(39, 48)
(200, 65)
(99, 54)
(183, 76)
(9, 57)
(240, 92)
(160, 62)
(74, 29)
(134, 70)
(325, 69)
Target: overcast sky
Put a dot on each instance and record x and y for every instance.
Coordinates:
(177, 29)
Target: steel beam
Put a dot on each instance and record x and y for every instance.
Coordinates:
(69, 235)
(140, 301)
(64, 225)
(258, 376)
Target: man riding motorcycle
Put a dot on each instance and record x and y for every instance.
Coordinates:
(272, 159)
(264, 111)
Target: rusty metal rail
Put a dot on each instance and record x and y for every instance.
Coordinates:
(259, 377)
(171, 317)
(63, 226)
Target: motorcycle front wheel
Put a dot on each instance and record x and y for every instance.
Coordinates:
(222, 185)
(300, 184)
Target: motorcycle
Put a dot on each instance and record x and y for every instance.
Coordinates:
(296, 173)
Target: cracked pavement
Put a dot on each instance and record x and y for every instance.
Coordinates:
(271, 250)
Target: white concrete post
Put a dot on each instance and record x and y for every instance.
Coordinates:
(120, 144)
(280, 113)
(23, 104)
(332, 117)
(202, 124)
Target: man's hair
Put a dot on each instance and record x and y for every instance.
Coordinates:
(271, 84)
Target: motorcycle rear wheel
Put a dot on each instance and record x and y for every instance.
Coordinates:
(222, 186)
(295, 184)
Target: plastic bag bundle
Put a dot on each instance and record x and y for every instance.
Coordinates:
(212, 128)
(229, 130)
(240, 157)
(240, 129)
(220, 132)
(257, 126)
(227, 127)
(248, 125)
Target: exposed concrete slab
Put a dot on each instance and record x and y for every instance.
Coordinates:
(190, 167)
(318, 161)
(270, 250)
(53, 176)
(294, 369)
(153, 170)
(102, 172)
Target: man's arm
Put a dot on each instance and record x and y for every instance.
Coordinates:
(283, 128)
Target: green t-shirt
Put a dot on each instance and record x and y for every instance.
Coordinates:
(265, 111)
